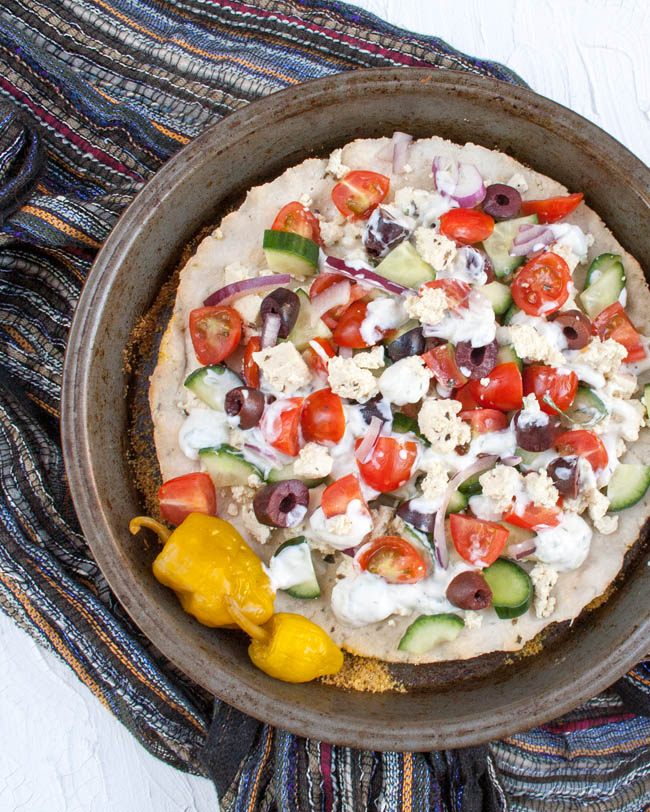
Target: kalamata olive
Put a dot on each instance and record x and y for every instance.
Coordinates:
(535, 432)
(421, 521)
(469, 590)
(476, 362)
(409, 343)
(575, 326)
(375, 407)
(286, 304)
(475, 264)
(383, 232)
(501, 201)
(564, 472)
(281, 504)
(246, 402)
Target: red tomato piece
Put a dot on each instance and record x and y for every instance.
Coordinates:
(561, 387)
(465, 397)
(553, 208)
(182, 495)
(390, 464)
(251, 371)
(614, 323)
(337, 496)
(298, 219)
(359, 193)
(485, 420)
(533, 516)
(215, 332)
(322, 419)
(476, 540)
(585, 444)
(394, 559)
(504, 390)
(347, 332)
(322, 282)
(442, 363)
(542, 286)
(280, 425)
(318, 350)
(466, 226)
(455, 290)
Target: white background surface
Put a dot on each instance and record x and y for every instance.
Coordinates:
(60, 750)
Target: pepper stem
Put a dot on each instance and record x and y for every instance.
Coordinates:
(252, 629)
(159, 529)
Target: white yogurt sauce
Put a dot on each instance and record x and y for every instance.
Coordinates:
(399, 386)
(291, 567)
(566, 546)
(382, 315)
(573, 237)
(361, 526)
(474, 323)
(202, 428)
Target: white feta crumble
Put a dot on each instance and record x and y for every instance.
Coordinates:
(426, 206)
(372, 359)
(335, 165)
(248, 307)
(531, 345)
(605, 357)
(565, 252)
(439, 423)
(313, 462)
(518, 182)
(436, 249)
(331, 231)
(606, 525)
(541, 489)
(236, 272)
(405, 381)
(305, 201)
(621, 385)
(283, 368)
(435, 482)
(218, 234)
(260, 532)
(544, 579)
(473, 620)
(501, 484)
(429, 306)
(483, 381)
(348, 380)
(407, 169)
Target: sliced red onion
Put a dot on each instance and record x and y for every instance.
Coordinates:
(522, 548)
(401, 143)
(345, 352)
(531, 239)
(462, 182)
(365, 449)
(266, 454)
(366, 276)
(270, 330)
(510, 460)
(229, 293)
(439, 535)
(334, 295)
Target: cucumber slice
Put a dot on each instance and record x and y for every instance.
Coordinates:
(587, 408)
(499, 296)
(211, 384)
(507, 355)
(428, 631)
(418, 536)
(605, 281)
(280, 474)
(227, 466)
(286, 252)
(510, 312)
(628, 484)
(645, 398)
(402, 424)
(498, 244)
(527, 457)
(512, 589)
(458, 502)
(471, 485)
(307, 327)
(405, 266)
(295, 550)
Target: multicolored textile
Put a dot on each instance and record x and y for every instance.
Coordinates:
(95, 96)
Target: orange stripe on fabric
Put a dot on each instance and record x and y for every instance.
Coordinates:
(61, 225)
(603, 751)
(267, 749)
(407, 783)
(182, 139)
(19, 339)
(49, 409)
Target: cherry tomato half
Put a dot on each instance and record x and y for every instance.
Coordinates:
(347, 332)
(337, 496)
(553, 208)
(542, 286)
(316, 354)
(585, 444)
(561, 387)
(280, 425)
(442, 363)
(466, 226)
(359, 193)
(322, 419)
(322, 282)
(533, 516)
(298, 219)
(455, 290)
(182, 495)
(484, 420)
(394, 559)
(215, 332)
(390, 464)
(476, 540)
(251, 371)
(614, 323)
(504, 391)
(465, 397)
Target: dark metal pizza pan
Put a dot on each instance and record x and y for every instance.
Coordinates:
(191, 190)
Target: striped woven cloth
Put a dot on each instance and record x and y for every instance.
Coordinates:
(95, 96)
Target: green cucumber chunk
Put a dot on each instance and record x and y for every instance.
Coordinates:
(288, 472)
(457, 502)
(499, 296)
(628, 485)
(211, 384)
(428, 631)
(510, 313)
(507, 355)
(512, 589)
(308, 588)
(227, 466)
(527, 457)
(587, 408)
(307, 326)
(406, 267)
(402, 424)
(411, 533)
(290, 253)
(498, 244)
(471, 485)
(605, 281)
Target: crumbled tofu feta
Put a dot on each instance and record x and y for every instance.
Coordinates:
(233, 509)
(348, 380)
(254, 481)
(484, 381)
(283, 368)
(531, 345)
(518, 182)
(340, 525)
(564, 251)
(381, 519)
(603, 356)
(426, 205)
(436, 249)
(541, 489)
(606, 525)
(620, 447)
(407, 169)
(597, 504)
(473, 620)
(305, 200)
(335, 165)
(621, 385)
(439, 423)
(544, 579)
(501, 484)
(373, 359)
(236, 272)
(217, 234)
(429, 306)
(405, 381)
(314, 462)
(351, 238)
(435, 482)
(260, 532)
(345, 568)
(330, 231)
(627, 417)
(248, 307)
(242, 494)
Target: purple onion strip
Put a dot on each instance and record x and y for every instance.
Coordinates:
(236, 289)
(366, 276)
